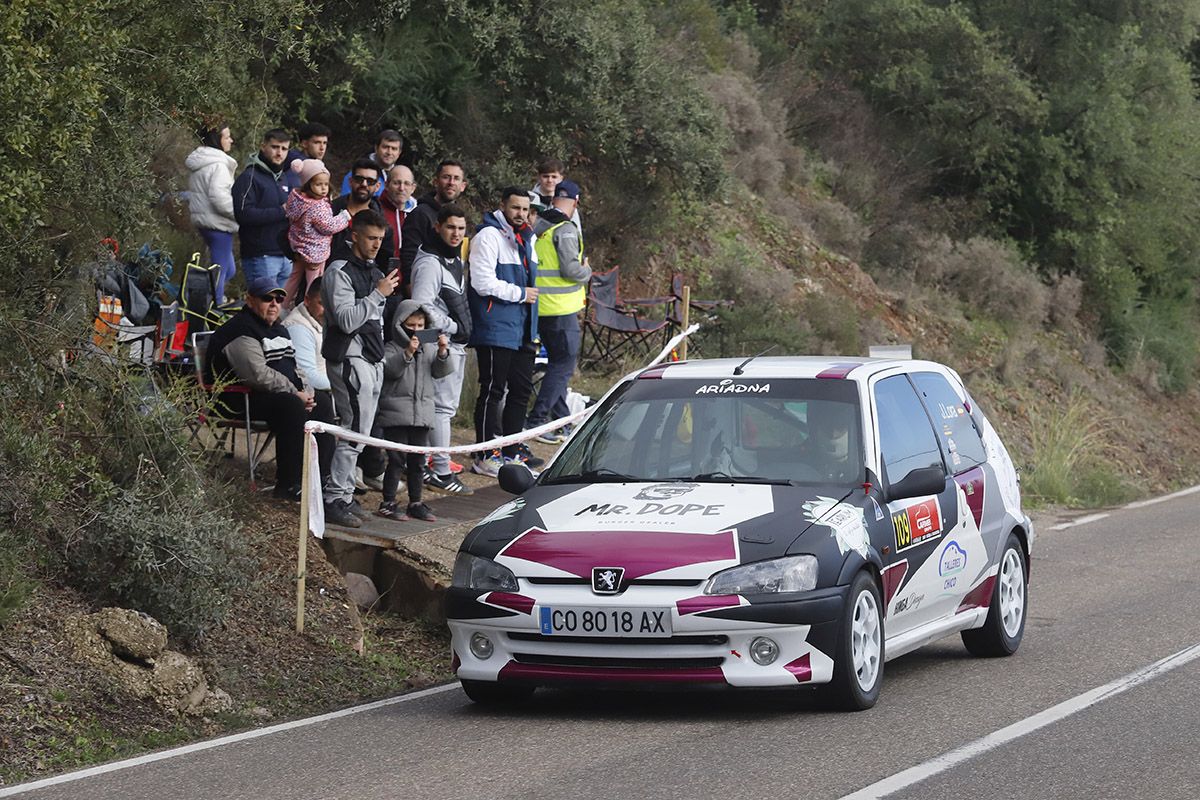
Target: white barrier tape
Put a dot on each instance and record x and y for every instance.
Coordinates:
(316, 506)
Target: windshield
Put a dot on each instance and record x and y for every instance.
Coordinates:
(782, 431)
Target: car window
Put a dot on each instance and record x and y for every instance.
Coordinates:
(960, 441)
(906, 439)
(807, 431)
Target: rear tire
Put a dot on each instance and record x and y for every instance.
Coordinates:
(1005, 625)
(489, 693)
(858, 663)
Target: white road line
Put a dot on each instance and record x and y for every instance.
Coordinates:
(913, 775)
(224, 740)
(1079, 521)
(1164, 498)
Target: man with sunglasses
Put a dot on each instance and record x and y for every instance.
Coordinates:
(364, 179)
(253, 348)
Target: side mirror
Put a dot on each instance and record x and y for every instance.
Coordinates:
(919, 482)
(515, 478)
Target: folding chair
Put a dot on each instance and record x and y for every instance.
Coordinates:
(615, 329)
(253, 428)
(704, 311)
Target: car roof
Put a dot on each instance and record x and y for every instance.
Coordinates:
(854, 368)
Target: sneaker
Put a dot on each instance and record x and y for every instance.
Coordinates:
(489, 466)
(357, 509)
(526, 457)
(455, 467)
(392, 511)
(421, 511)
(373, 482)
(446, 484)
(550, 437)
(291, 493)
(338, 513)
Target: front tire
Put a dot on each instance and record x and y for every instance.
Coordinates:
(858, 665)
(490, 693)
(1005, 625)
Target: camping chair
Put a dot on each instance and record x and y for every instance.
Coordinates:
(253, 428)
(703, 311)
(615, 329)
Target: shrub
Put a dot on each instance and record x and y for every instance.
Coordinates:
(988, 275)
(1070, 464)
(102, 481)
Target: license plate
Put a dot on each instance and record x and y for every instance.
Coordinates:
(579, 621)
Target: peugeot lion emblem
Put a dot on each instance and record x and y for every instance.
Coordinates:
(607, 580)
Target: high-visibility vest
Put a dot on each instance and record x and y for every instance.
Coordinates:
(557, 295)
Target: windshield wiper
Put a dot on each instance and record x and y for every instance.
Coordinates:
(725, 476)
(598, 475)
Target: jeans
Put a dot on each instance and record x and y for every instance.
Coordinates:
(447, 392)
(561, 337)
(503, 371)
(220, 252)
(277, 268)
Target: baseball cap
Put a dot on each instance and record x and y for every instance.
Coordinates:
(263, 285)
(567, 188)
(535, 202)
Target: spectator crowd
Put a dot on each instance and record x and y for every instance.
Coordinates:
(362, 309)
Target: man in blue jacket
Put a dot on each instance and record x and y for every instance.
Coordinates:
(258, 198)
(503, 302)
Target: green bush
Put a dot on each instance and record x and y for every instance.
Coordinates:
(1069, 459)
(101, 481)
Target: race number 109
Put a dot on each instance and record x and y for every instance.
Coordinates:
(655, 622)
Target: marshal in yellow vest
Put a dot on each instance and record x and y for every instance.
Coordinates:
(556, 295)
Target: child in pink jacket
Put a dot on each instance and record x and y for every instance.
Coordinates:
(313, 224)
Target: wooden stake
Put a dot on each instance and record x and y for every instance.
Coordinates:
(302, 545)
(686, 319)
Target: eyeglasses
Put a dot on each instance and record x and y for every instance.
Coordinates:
(273, 298)
(363, 179)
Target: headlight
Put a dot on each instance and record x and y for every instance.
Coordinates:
(791, 574)
(473, 572)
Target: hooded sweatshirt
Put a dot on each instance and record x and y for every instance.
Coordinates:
(210, 188)
(439, 284)
(407, 394)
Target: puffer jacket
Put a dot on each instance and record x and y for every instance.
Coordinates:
(407, 394)
(313, 226)
(210, 188)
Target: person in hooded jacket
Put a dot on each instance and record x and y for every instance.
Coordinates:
(449, 183)
(406, 414)
(258, 199)
(210, 199)
(439, 284)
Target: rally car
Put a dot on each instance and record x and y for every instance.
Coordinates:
(749, 523)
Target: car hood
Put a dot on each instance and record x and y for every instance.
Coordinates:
(673, 530)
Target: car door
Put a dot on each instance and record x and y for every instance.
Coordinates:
(977, 535)
(914, 589)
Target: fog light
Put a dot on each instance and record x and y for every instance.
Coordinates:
(481, 647)
(763, 650)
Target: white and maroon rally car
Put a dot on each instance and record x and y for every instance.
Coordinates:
(766, 522)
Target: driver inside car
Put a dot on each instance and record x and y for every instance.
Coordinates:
(828, 447)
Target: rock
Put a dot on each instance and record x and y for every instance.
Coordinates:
(361, 590)
(260, 713)
(170, 679)
(132, 635)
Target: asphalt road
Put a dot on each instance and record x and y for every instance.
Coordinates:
(1107, 598)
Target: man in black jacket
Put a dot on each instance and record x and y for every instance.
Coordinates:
(364, 178)
(448, 185)
(254, 348)
(258, 198)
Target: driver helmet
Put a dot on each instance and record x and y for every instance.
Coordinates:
(830, 424)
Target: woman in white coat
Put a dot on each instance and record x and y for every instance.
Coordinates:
(210, 198)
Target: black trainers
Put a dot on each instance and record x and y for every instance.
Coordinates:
(421, 511)
(291, 493)
(446, 484)
(338, 513)
(392, 511)
(526, 456)
(356, 508)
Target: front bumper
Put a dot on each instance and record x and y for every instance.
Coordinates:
(710, 640)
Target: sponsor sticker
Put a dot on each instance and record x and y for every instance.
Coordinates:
(953, 560)
(727, 386)
(846, 522)
(910, 603)
(917, 524)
